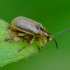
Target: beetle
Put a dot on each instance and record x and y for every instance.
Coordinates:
(29, 29)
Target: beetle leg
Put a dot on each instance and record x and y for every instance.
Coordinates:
(23, 47)
(41, 45)
(32, 40)
(27, 44)
(7, 39)
(21, 34)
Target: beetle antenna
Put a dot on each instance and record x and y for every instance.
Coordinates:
(55, 43)
(61, 32)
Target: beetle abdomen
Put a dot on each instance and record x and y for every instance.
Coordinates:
(26, 24)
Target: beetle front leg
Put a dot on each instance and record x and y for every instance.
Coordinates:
(41, 45)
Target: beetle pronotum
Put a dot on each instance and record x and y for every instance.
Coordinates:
(29, 29)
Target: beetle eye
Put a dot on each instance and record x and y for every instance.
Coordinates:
(48, 37)
(37, 27)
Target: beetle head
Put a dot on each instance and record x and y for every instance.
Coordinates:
(49, 37)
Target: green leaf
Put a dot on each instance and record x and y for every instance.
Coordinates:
(9, 50)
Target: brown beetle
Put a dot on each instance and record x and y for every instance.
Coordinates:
(29, 29)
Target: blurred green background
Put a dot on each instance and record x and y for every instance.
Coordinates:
(55, 17)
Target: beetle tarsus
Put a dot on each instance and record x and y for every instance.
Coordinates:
(7, 39)
(20, 50)
(39, 48)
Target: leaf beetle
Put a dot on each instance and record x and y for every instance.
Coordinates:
(29, 29)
